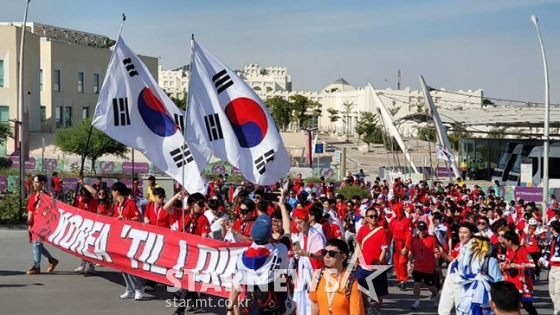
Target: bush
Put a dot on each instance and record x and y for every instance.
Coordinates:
(5, 163)
(349, 191)
(10, 211)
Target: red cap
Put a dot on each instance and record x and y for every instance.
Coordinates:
(300, 214)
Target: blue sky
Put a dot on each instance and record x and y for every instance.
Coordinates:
(468, 44)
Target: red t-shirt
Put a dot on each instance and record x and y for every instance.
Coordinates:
(531, 243)
(57, 183)
(423, 249)
(89, 205)
(520, 256)
(456, 250)
(157, 215)
(196, 224)
(373, 245)
(335, 230)
(104, 209)
(128, 210)
(244, 227)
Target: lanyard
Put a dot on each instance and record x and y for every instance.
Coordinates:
(121, 208)
(332, 291)
(157, 210)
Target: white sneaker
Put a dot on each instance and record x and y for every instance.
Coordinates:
(127, 295)
(138, 294)
(416, 305)
(90, 270)
(80, 269)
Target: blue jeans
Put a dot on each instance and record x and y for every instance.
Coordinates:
(39, 249)
(133, 283)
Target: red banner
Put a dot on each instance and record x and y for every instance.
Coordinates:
(173, 258)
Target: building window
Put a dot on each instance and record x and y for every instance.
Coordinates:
(43, 115)
(96, 83)
(80, 82)
(85, 113)
(41, 80)
(58, 116)
(1, 73)
(56, 81)
(67, 116)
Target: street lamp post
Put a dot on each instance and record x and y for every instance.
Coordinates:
(20, 112)
(535, 21)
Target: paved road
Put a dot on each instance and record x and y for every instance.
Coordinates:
(65, 292)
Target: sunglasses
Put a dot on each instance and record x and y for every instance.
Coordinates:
(332, 253)
(481, 223)
(257, 197)
(244, 211)
(500, 234)
(372, 216)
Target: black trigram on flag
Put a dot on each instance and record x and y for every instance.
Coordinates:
(179, 122)
(213, 127)
(182, 155)
(222, 81)
(121, 116)
(260, 163)
(130, 67)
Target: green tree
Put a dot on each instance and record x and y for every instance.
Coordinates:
(486, 102)
(346, 117)
(497, 132)
(5, 132)
(73, 140)
(280, 110)
(333, 114)
(180, 102)
(299, 105)
(367, 124)
(427, 133)
(458, 132)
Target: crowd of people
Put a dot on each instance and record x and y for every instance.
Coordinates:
(487, 245)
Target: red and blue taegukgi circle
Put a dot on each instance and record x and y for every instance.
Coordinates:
(248, 120)
(154, 114)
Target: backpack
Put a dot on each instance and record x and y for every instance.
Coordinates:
(351, 279)
(264, 302)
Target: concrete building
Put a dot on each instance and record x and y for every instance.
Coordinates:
(63, 73)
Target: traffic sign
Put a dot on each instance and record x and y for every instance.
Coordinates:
(319, 148)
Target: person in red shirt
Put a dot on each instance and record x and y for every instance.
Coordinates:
(104, 206)
(154, 213)
(56, 185)
(126, 209)
(195, 222)
(86, 200)
(374, 243)
(29, 185)
(517, 270)
(38, 247)
(424, 253)
(401, 227)
(242, 227)
(340, 206)
(531, 240)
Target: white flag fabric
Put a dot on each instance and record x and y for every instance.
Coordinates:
(443, 154)
(226, 115)
(133, 110)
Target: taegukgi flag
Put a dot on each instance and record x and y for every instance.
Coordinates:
(226, 115)
(133, 110)
(443, 154)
